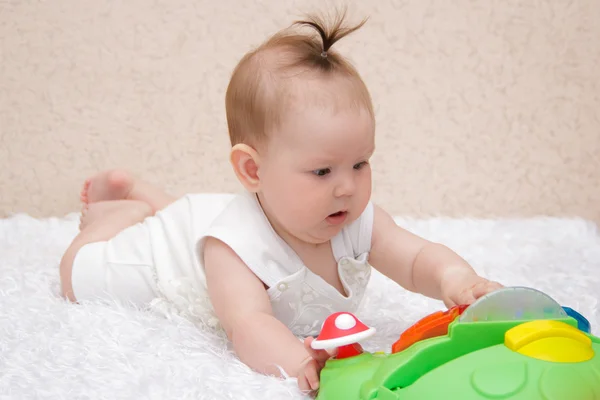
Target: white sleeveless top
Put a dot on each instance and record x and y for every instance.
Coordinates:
(300, 299)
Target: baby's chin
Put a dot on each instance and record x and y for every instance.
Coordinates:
(321, 236)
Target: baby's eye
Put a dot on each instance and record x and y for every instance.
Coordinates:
(322, 171)
(360, 165)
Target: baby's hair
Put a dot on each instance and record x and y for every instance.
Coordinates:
(261, 83)
(329, 35)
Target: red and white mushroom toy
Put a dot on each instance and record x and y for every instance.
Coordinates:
(342, 330)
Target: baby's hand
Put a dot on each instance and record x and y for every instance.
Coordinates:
(465, 289)
(308, 377)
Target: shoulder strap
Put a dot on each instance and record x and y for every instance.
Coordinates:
(244, 227)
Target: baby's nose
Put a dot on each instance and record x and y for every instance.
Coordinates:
(345, 187)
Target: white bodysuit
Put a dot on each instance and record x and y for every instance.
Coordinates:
(159, 261)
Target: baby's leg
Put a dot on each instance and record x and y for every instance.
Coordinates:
(100, 226)
(121, 185)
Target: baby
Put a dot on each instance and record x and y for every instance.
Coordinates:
(298, 244)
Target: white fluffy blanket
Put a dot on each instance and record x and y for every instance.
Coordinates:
(52, 349)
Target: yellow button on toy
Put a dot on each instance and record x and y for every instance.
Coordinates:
(550, 340)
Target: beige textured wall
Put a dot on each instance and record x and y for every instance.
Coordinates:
(484, 108)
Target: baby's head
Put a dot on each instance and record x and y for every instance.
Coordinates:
(302, 128)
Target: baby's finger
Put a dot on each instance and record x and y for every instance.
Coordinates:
(466, 297)
(303, 383)
(312, 374)
(307, 345)
(449, 303)
(484, 288)
(319, 355)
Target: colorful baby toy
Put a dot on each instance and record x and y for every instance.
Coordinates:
(514, 343)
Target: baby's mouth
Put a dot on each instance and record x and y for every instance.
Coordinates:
(337, 217)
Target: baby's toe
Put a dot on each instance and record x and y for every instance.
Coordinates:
(83, 195)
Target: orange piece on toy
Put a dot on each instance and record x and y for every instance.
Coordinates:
(433, 325)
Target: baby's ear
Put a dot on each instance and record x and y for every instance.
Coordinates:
(245, 161)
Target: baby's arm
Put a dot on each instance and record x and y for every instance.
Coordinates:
(243, 307)
(421, 266)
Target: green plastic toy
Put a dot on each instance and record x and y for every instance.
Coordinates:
(514, 343)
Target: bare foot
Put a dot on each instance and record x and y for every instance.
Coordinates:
(107, 185)
(92, 212)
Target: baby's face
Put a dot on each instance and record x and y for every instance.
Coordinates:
(315, 174)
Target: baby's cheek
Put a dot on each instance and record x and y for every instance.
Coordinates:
(296, 211)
